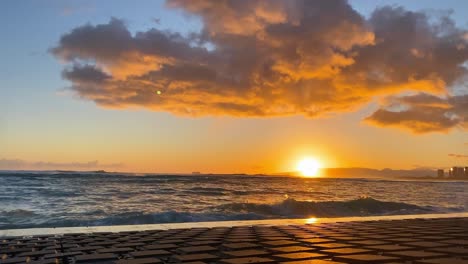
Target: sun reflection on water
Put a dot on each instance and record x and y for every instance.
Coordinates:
(311, 220)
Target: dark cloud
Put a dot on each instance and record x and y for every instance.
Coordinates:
(460, 156)
(275, 58)
(422, 113)
(18, 164)
(85, 74)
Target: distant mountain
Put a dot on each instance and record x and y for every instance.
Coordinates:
(366, 172)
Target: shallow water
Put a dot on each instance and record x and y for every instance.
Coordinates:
(55, 199)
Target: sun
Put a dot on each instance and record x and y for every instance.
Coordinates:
(308, 167)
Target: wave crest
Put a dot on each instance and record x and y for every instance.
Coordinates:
(291, 208)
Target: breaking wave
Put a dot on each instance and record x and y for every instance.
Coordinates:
(289, 208)
(292, 208)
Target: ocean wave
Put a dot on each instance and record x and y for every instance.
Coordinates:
(207, 189)
(288, 208)
(136, 218)
(292, 208)
(17, 213)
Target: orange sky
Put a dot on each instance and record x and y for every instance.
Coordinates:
(247, 87)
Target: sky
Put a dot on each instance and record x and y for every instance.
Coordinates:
(242, 87)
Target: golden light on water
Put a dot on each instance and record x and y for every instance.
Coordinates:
(309, 167)
(311, 220)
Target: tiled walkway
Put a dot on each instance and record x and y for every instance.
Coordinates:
(391, 241)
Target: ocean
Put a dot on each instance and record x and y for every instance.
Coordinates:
(55, 199)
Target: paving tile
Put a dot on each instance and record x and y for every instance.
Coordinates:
(333, 245)
(150, 253)
(301, 255)
(45, 261)
(194, 257)
(115, 250)
(248, 260)
(443, 261)
(85, 249)
(246, 253)
(425, 244)
(434, 238)
(14, 260)
(161, 246)
(313, 261)
(462, 242)
(416, 254)
(386, 248)
(171, 241)
(369, 242)
(240, 245)
(132, 245)
(204, 242)
(36, 253)
(14, 250)
(62, 255)
(280, 242)
(454, 251)
(403, 239)
(197, 249)
(346, 251)
(317, 240)
(138, 261)
(235, 240)
(365, 258)
(292, 249)
(95, 257)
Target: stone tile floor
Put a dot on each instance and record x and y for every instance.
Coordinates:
(443, 240)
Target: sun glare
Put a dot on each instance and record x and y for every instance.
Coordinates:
(308, 167)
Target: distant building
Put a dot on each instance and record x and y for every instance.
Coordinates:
(440, 173)
(457, 172)
(461, 172)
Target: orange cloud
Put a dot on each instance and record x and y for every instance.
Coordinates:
(276, 58)
(422, 113)
(459, 156)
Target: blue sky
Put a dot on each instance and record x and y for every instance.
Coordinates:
(39, 118)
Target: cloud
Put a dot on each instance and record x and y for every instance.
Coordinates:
(277, 58)
(422, 113)
(459, 156)
(18, 164)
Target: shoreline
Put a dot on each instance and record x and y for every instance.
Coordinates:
(188, 225)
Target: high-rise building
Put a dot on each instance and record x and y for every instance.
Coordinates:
(458, 172)
(461, 172)
(440, 173)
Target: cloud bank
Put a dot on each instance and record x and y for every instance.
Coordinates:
(276, 58)
(18, 164)
(458, 156)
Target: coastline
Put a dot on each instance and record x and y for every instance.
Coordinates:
(188, 225)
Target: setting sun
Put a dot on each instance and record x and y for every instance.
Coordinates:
(308, 167)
